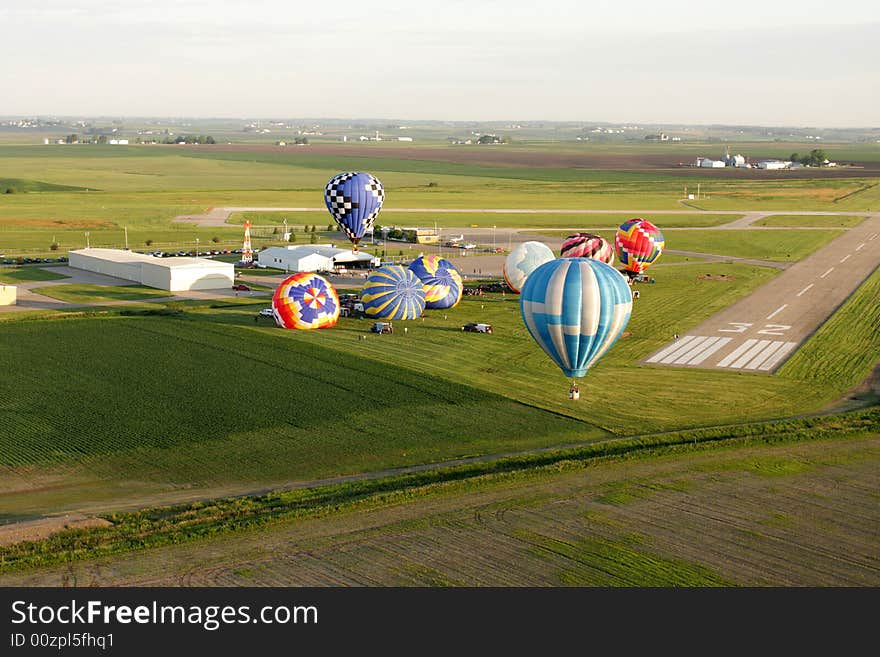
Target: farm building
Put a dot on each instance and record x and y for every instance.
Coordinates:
(7, 295)
(773, 164)
(315, 257)
(172, 274)
(708, 162)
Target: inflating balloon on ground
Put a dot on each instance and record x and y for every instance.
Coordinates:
(638, 244)
(522, 261)
(588, 245)
(441, 281)
(393, 292)
(305, 301)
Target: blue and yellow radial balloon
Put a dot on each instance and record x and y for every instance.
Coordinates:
(354, 199)
(441, 281)
(305, 301)
(393, 292)
(575, 309)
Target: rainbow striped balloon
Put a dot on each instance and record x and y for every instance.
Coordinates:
(638, 244)
(441, 280)
(588, 245)
(393, 292)
(305, 301)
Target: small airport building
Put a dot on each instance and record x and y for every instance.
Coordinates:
(172, 274)
(7, 295)
(315, 257)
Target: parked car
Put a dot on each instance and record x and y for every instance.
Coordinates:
(241, 287)
(382, 327)
(474, 327)
(267, 312)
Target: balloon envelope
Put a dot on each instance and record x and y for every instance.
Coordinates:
(354, 199)
(588, 245)
(575, 309)
(305, 301)
(522, 261)
(638, 244)
(441, 281)
(393, 292)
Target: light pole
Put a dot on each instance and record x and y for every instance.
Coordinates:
(197, 247)
(87, 239)
(493, 238)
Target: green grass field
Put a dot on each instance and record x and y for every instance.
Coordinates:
(27, 274)
(82, 293)
(817, 221)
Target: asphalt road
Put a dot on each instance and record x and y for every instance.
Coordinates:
(760, 332)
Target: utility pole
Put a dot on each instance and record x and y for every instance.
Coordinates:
(125, 228)
(87, 240)
(197, 247)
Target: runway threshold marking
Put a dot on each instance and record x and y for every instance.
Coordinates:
(777, 311)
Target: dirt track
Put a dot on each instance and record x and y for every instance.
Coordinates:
(668, 162)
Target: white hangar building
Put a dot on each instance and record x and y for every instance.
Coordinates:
(172, 274)
(315, 257)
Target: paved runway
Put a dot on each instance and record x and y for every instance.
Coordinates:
(760, 332)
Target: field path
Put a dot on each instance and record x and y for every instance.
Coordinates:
(760, 332)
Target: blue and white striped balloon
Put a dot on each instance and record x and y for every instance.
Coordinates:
(575, 309)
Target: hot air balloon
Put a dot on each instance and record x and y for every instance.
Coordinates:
(354, 199)
(305, 301)
(393, 292)
(588, 245)
(638, 244)
(522, 261)
(441, 281)
(575, 309)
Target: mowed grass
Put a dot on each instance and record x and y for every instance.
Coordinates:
(819, 221)
(27, 274)
(778, 246)
(83, 293)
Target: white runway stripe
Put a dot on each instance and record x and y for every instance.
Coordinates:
(751, 353)
(845, 258)
(871, 239)
(777, 311)
(778, 356)
(675, 345)
(708, 352)
(828, 272)
(727, 360)
(804, 291)
(681, 351)
(860, 246)
(768, 351)
(697, 348)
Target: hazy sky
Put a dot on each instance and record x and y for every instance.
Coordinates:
(765, 62)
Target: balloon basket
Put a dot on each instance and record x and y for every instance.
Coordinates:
(573, 392)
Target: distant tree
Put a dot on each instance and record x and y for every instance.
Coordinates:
(816, 158)
(275, 230)
(794, 157)
(433, 184)
(305, 229)
(292, 237)
(330, 228)
(72, 139)
(54, 246)
(10, 190)
(313, 239)
(314, 228)
(102, 139)
(148, 242)
(215, 239)
(210, 140)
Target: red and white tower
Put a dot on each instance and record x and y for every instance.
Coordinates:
(247, 253)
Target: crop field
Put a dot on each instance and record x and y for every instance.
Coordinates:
(113, 409)
(802, 514)
(248, 420)
(64, 192)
